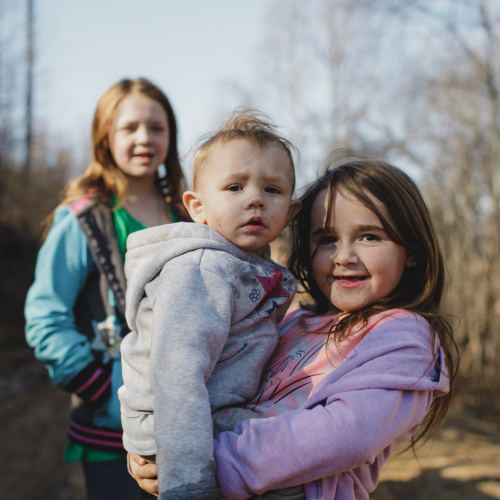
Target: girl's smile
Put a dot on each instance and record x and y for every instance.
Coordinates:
(348, 281)
(354, 261)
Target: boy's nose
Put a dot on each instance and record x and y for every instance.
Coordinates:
(255, 200)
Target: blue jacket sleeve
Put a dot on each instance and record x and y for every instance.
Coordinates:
(63, 265)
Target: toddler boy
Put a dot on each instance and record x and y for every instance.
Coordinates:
(204, 301)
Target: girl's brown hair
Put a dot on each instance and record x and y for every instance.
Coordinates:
(421, 287)
(103, 177)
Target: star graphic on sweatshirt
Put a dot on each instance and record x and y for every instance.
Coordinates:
(273, 308)
(107, 338)
(272, 288)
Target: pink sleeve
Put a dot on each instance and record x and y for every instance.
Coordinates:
(301, 446)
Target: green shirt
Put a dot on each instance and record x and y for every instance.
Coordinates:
(125, 224)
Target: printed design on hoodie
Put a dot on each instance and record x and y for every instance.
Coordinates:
(254, 295)
(294, 361)
(273, 289)
(108, 337)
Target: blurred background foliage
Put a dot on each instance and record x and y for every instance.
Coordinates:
(415, 82)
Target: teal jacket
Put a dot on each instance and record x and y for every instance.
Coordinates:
(75, 319)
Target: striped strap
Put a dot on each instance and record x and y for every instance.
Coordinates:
(92, 384)
(90, 436)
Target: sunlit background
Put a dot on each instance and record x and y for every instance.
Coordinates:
(415, 82)
(196, 51)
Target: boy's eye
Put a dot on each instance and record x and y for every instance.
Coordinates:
(272, 190)
(234, 188)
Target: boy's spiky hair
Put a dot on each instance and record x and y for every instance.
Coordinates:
(249, 124)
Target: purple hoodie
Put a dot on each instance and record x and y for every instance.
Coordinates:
(336, 442)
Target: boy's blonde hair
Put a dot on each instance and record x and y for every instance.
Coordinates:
(249, 124)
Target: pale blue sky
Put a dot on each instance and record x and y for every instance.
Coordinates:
(190, 48)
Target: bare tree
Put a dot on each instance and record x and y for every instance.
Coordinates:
(29, 84)
(455, 136)
(8, 81)
(317, 76)
(417, 82)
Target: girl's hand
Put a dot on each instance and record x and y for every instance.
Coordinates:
(145, 474)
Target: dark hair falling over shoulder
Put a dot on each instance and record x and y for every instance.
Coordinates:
(421, 287)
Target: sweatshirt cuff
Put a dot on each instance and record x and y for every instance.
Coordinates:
(92, 384)
(212, 494)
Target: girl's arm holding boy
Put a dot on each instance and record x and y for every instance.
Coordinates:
(337, 442)
(355, 417)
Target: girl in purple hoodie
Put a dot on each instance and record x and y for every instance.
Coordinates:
(371, 367)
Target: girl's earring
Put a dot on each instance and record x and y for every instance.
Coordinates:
(414, 263)
(162, 171)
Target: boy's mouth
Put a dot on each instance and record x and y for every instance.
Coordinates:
(254, 223)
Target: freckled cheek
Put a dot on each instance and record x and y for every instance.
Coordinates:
(279, 210)
(218, 221)
(216, 218)
(221, 219)
(276, 221)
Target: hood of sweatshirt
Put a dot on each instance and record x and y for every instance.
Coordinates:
(150, 249)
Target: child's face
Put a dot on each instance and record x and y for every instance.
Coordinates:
(139, 135)
(356, 263)
(245, 193)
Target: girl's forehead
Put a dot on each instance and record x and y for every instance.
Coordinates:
(138, 104)
(345, 203)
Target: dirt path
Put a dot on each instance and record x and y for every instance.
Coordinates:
(462, 464)
(33, 421)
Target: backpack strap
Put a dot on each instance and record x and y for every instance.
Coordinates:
(98, 225)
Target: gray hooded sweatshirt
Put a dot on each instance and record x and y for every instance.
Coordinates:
(204, 317)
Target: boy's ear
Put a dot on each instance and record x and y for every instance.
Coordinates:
(293, 210)
(192, 201)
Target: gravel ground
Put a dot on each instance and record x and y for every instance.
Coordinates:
(463, 463)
